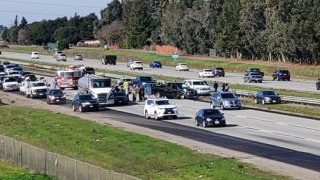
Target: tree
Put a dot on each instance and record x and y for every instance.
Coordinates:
(113, 12)
(23, 23)
(65, 36)
(111, 34)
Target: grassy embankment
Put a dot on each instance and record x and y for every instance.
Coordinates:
(229, 65)
(10, 171)
(122, 151)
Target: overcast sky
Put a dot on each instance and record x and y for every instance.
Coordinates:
(37, 10)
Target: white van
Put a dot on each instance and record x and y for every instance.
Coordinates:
(200, 86)
(34, 55)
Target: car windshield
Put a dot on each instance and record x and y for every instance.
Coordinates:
(85, 97)
(18, 69)
(101, 83)
(284, 71)
(156, 62)
(162, 102)
(219, 69)
(35, 53)
(209, 112)
(145, 79)
(200, 83)
(255, 70)
(269, 93)
(38, 84)
(138, 62)
(10, 80)
(11, 73)
(207, 70)
(177, 85)
(25, 73)
(228, 95)
(183, 64)
(56, 92)
(255, 74)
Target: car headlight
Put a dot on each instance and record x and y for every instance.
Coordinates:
(161, 109)
(175, 109)
(209, 119)
(52, 97)
(226, 103)
(267, 98)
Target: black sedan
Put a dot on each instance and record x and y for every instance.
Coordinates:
(85, 102)
(267, 97)
(210, 117)
(118, 98)
(56, 96)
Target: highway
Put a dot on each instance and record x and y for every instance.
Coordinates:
(282, 138)
(233, 78)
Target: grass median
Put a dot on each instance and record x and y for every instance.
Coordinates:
(10, 171)
(230, 65)
(118, 150)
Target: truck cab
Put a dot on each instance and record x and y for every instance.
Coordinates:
(169, 90)
(140, 80)
(34, 89)
(68, 78)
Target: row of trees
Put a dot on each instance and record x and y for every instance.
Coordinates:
(65, 31)
(274, 30)
(281, 30)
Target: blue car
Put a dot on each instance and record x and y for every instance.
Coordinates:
(155, 64)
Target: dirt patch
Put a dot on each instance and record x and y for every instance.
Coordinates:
(265, 164)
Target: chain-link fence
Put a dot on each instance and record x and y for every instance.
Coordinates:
(52, 164)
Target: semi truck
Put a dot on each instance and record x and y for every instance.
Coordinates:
(98, 86)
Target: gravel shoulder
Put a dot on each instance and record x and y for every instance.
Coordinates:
(262, 163)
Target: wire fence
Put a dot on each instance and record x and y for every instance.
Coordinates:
(41, 161)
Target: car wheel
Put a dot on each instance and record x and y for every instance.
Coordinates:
(222, 106)
(196, 122)
(263, 101)
(245, 81)
(146, 115)
(204, 124)
(224, 124)
(156, 116)
(80, 108)
(74, 108)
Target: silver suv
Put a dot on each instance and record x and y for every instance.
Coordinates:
(225, 100)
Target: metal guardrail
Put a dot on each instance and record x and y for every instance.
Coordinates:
(290, 99)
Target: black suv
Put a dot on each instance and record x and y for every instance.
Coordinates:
(217, 71)
(85, 102)
(281, 74)
(109, 59)
(318, 84)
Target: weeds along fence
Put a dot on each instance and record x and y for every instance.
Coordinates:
(41, 161)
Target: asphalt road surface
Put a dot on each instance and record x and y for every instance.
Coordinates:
(287, 139)
(233, 78)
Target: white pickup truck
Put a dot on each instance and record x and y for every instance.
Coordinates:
(10, 84)
(206, 73)
(34, 89)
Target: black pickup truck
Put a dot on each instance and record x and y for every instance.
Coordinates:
(109, 59)
(174, 90)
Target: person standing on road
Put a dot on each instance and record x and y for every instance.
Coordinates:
(226, 87)
(54, 83)
(215, 86)
(126, 87)
(141, 94)
(223, 86)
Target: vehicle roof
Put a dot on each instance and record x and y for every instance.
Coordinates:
(158, 99)
(182, 63)
(195, 80)
(224, 92)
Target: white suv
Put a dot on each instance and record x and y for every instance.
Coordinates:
(160, 108)
(34, 55)
(136, 65)
(200, 86)
(182, 67)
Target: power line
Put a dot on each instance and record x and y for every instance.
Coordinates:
(45, 14)
(49, 4)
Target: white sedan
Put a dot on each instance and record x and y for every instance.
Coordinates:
(206, 73)
(182, 67)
